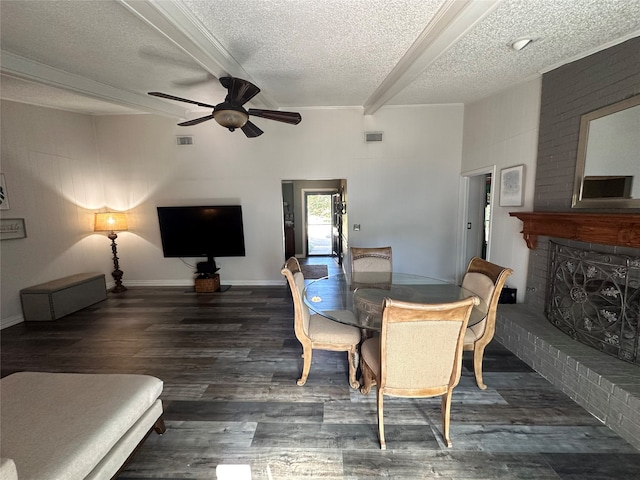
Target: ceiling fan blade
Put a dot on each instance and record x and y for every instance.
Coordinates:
(251, 131)
(195, 121)
(240, 91)
(293, 118)
(178, 99)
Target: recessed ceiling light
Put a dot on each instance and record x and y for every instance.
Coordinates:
(519, 43)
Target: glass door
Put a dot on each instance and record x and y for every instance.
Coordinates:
(319, 223)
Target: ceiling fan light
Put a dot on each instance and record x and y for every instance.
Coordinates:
(231, 119)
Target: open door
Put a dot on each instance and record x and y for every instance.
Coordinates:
(477, 205)
(319, 215)
(336, 233)
(314, 218)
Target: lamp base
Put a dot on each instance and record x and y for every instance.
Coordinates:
(119, 289)
(117, 276)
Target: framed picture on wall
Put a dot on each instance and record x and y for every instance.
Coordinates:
(4, 196)
(512, 186)
(11, 228)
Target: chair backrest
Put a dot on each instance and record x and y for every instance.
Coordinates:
(421, 346)
(292, 272)
(486, 280)
(376, 259)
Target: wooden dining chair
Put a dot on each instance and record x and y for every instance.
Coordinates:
(314, 331)
(377, 259)
(486, 280)
(418, 354)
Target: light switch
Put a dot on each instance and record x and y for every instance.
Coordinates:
(468, 225)
(356, 227)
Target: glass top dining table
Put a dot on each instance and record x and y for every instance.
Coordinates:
(363, 294)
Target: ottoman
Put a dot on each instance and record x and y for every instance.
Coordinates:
(75, 426)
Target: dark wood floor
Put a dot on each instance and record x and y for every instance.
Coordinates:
(230, 361)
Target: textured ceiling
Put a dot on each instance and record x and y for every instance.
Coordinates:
(103, 56)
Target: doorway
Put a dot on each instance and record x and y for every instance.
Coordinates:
(319, 214)
(477, 215)
(314, 212)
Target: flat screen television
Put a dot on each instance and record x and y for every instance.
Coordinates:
(202, 231)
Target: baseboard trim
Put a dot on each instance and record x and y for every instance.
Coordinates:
(11, 321)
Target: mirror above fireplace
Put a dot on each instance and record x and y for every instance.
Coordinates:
(608, 160)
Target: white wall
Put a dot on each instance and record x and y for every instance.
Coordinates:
(54, 182)
(502, 130)
(402, 191)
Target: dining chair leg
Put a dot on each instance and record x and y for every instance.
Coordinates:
(353, 367)
(446, 416)
(379, 403)
(366, 377)
(478, 355)
(306, 365)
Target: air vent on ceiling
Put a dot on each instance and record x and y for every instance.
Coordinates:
(373, 136)
(184, 140)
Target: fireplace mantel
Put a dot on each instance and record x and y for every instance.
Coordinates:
(620, 229)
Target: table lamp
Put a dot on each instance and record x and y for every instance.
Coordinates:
(110, 222)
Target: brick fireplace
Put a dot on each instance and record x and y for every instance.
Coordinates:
(606, 386)
(589, 285)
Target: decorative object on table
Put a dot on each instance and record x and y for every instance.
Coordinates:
(486, 280)
(11, 228)
(317, 332)
(112, 222)
(231, 114)
(417, 355)
(512, 186)
(4, 196)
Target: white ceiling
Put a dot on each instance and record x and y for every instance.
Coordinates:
(103, 56)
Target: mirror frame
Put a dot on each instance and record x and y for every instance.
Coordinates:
(576, 200)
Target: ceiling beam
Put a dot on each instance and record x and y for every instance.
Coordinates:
(452, 22)
(175, 22)
(26, 69)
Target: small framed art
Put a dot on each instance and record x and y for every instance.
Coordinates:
(11, 228)
(512, 186)
(4, 196)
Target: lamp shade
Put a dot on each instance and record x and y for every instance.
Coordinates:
(110, 221)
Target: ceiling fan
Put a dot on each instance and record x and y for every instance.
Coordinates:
(231, 114)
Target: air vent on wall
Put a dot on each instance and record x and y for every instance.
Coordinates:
(184, 140)
(373, 136)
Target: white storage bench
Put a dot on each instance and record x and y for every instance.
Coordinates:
(57, 298)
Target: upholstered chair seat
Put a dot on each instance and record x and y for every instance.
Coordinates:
(323, 330)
